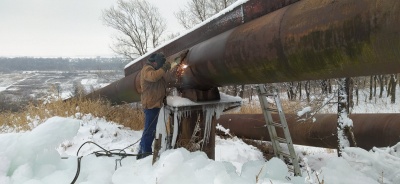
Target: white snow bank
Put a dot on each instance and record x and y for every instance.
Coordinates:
(3, 88)
(379, 164)
(107, 134)
(182, 166)
(27, 157)
(32, 158)
(235, 151)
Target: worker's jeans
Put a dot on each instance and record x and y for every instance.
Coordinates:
(151, 117)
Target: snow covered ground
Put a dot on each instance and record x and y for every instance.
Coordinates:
(48, 155)
(39, 84)
(34, 157)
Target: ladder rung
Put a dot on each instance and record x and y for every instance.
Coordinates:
(271, 124)
(268, 94)
(271, 109)
(280, 139)
(276, 124)
(285, 154)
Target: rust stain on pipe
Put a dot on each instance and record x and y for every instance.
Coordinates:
(122, 91)
(379, 130)
(244, 13)
(307, 40)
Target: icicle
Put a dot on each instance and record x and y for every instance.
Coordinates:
(219, 110)
(161, 127)
(175, 134)
(209, 113)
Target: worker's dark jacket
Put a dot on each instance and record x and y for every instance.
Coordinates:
(153, 87)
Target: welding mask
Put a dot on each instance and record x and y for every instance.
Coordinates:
(160, 60)
(152, 58)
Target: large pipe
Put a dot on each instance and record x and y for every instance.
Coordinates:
(234, 17)
(379, 130)
(307, 40)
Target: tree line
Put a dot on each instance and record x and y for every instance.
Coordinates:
(60, 64)
(377, 86)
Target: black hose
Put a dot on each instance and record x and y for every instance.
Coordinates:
(103, 152)
(107, 153)
(77, 170)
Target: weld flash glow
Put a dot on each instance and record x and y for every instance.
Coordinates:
(180, 71)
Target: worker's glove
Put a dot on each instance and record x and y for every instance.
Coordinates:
(176, 61)
(166, 66)
(173, 64)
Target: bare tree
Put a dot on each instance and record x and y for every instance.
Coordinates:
(392, 87)
(345, 124)
(381, 84)
(370, 87)
(356, 88)
(78, 90)
(324, 86)
(291, 90)
(307, 88)
(196, 11)
(139, 25)
(218, 5)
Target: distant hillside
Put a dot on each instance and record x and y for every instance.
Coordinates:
(60, 64)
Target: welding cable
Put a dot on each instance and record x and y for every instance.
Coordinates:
(78, 170)
(108, 153)
(103, 152)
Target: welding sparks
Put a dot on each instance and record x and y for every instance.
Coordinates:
(180, 71)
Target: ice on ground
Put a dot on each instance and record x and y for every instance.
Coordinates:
(32, 158)
(89, 81)
(235, 151)
(3, 88)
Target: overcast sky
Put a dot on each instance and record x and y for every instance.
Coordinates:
(63, 28)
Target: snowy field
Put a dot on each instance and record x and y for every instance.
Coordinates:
(48, 155)
(37, 84)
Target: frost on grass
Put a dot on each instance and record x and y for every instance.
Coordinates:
(304, 111)
(223, 129)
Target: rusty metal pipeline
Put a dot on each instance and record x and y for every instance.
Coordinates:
(239, 15)
(307, 40)
(122, 91)
(379, 130)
